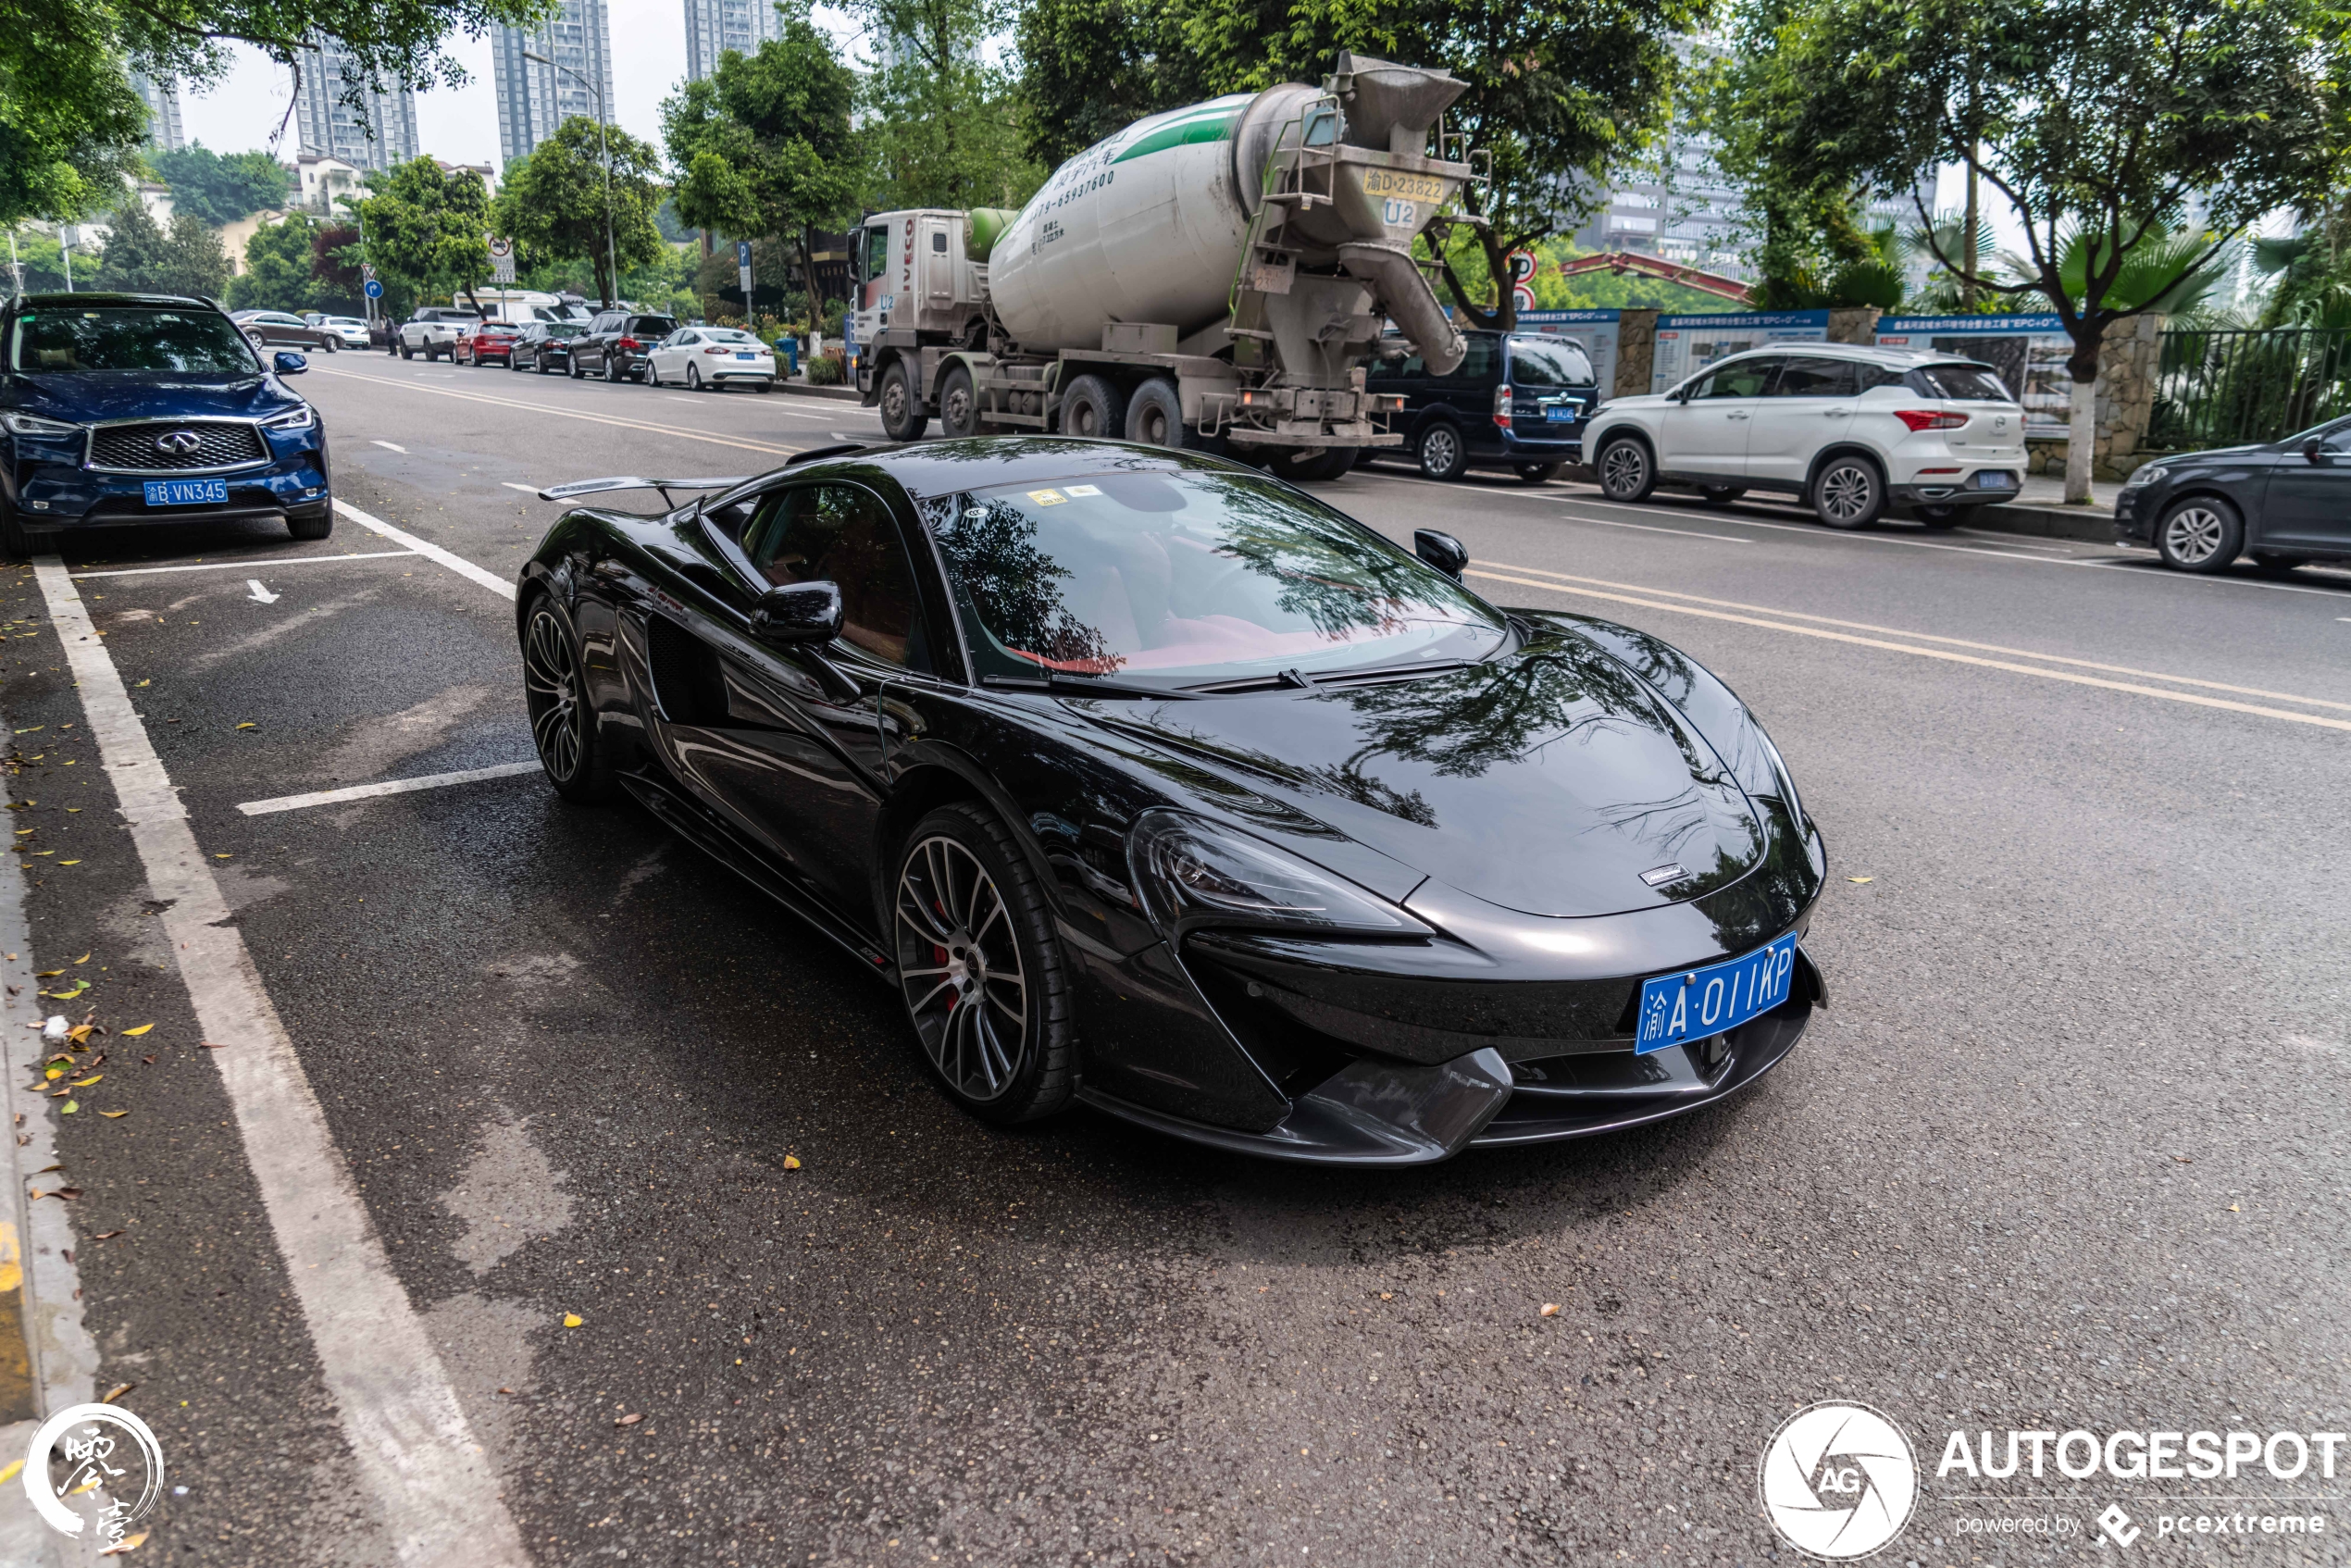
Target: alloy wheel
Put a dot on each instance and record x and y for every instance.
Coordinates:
(1440, 450)
(694, 379)
(551, 693)
(1846, 494)
(2193, 535)
(960, 969)
(1624, 469)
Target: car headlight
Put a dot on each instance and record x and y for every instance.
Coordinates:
(300, 419)
(2146, 476)
(27, 425)
(1189, 872)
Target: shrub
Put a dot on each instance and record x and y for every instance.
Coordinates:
(825, 370)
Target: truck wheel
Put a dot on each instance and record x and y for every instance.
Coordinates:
(1313, 464)
(1093, 407)
(901, 416)
(1440, 451)
(1155, 413)
(958, 405)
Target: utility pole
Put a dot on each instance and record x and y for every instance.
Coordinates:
(612, 263)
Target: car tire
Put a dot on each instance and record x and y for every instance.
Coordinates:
(332, 345)
(1094, 409)
(2199, 533)
(320, 527)
(693, 378)
(963, 887)
(958, 404)
(1155, 413)
(1720, 495)
(767, 387)
(1537, 473)
(1848, 492)
(404, 350)
(902, 416)
(613, 371)
(16, 542)
(1942, 516)
(563, 721)
(573, 369)
(1626, 472)
(1440, 451)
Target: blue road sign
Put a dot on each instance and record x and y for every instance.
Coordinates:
(375, 290)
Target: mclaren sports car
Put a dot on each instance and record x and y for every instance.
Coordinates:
(1154, 784)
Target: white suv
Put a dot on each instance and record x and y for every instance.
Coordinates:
(1846, 428)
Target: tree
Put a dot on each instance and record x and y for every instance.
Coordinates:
(2096, 118)
(947, 126)
(767, 145)
(280, 272)
(217, 188)
(141, 257)
(554, 200)
(70, 127)
(1090, 67)
(427, 228)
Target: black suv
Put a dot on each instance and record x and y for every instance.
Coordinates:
(545, 347)
(1517, 401)
(616, 342)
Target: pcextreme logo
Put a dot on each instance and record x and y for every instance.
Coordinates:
(1839, 1481)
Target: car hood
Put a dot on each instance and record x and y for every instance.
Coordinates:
(91, 396)
(1638, 400)
(1546, 781)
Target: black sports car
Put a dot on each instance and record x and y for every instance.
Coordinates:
(1155, 783)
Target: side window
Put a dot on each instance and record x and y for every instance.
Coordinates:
(685, 338)
(938, 242)
(1743, 377)
(1408, 369)
(1478, 365)
(843, 535)
(876, 250)
(1802, 377)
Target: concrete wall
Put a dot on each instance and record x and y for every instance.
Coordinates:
(1635, 351)
(2128, 364)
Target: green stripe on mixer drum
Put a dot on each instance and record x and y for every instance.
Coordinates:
(1213, 127)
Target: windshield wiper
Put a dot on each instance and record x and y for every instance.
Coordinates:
(1068, 683)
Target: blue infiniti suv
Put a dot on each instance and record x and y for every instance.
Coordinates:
(122, 409)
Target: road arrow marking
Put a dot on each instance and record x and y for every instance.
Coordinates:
(260, 595)
(390, 447)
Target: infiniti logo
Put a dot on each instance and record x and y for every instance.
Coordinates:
(178, 443)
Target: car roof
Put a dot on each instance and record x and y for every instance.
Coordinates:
(85, 301)
(933, 468)
(1868, 353)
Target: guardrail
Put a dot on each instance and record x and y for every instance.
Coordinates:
(2230, 387)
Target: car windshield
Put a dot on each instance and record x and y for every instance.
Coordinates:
(52, 338)
(1192, 577)
(652, 327)
(1549, 362)
(1965, 383)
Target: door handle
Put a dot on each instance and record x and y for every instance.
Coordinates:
(1735, 415)
(1839, 413)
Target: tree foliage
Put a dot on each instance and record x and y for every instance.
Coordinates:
(556, 200)
(220, 189)
(70, 127)
(427, 228)
(946, 125)
(280, 268)
(144, 256)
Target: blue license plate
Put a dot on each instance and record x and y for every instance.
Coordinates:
(1992, 478)
(1558, 414)
(185, 492)
(1677, 1009)
(745, 354)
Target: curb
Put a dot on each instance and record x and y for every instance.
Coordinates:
(2092, 525)
(838, 394)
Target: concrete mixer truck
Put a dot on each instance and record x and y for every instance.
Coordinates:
(1215, 277)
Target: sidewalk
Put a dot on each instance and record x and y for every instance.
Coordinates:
(2040, 509)
(801, 389)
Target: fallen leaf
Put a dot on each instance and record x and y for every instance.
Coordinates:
(79, 1033)
(573, 1320)
(1861, 878)
(83, 959)
(114, 1115)
(140, 1030)
(68, 863)
(101, 1235)
(147, 1059)
(220, 857)
(69, 1193)
(506, 1390)
(1550, 1309)
(2183, 1159)
(2234, 1209)
(145, 682)
(10, 1473)
(54, 1074)
(128, 1543)
(48, 974)
(207, 1045)
(85, 1083)
(792, 1162)
(46, 1169)
(631, 1420)
(117, 1392)
(70, 1107)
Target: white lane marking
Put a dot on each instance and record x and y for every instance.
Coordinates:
(1931, 637)
(526, 489)
(260, 595)
(574, 414)
(388, 787)
(431, 1482)
(457, 564)
(388, 446)
(1652, 528)
(274, 563)
(1944, 655)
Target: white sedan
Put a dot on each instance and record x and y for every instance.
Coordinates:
(712, 357)
(350, 329)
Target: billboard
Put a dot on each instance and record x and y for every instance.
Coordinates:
(2028, 352)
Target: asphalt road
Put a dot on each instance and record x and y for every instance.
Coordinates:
(2067, 1151)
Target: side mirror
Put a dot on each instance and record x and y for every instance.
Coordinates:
(2314, 452)
(1442, 551)
(797, 614)
(288, 362)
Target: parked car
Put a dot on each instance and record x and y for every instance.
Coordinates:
(349, 330)
(1517, 401)
(483, 342)
(616, 342)
(277, 328)
(2285, 503)
(432, 331)
(122, 409)
(1151, 783)
(1849, 430)
(543, 346)
(712, 357)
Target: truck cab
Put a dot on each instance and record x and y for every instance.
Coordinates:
(916, 289)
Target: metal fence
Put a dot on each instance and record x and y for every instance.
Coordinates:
(2229, 388)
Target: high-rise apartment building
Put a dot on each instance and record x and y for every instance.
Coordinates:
(712, 26)
(532, 98)
(376, 132)
(162, 98)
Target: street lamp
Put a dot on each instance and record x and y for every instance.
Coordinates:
(612, 263)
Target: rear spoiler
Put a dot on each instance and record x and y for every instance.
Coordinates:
(595, 487)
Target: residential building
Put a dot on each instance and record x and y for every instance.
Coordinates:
(324, 185)
(714, 27)
(162, 98)
(343, 114)
(533, 99)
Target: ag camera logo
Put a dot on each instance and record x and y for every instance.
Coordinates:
(1839, 1481)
